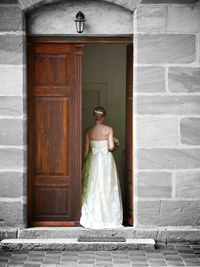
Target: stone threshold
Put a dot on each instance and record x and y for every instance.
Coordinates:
(159, 234)
(72, 244)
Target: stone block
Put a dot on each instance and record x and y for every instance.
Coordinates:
(188, 184)
(178, 234)
(168, 1)
(169, 212)
(11, 19)
(11, 105)
(183, 80)
(150, 79)
(165, 48)
(12, 213)
(198, 45)
(75, 232)
(8, 232)
(28, 3)
(11, 49)
(34, 1)
(11, 158)
(183, 19)
(25, 131)
(59, 19)
(162, 234)
(154, 184)
(8, 86)
(11, 132)
(157, 132)
(151, 18)
(15, 2)
(189, 130)
(157, 158)
(12, 184)
(182, 105)
(128, 4)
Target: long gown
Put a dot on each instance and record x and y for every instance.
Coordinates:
(101, 199)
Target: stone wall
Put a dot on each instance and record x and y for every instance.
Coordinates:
(166, 112)
(101, 18)
(12, 119)
(167, 115)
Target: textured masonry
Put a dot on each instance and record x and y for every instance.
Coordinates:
(150, 79)
(13, 90)
(61, 20)
(30, 4)
(165, 48)
(167, 103)
(190, 129)
(12, 130)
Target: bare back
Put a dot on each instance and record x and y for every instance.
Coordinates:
(98, 132)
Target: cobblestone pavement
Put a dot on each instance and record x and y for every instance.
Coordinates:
(165, 255)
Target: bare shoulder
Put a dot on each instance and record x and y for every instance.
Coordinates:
(109, 128)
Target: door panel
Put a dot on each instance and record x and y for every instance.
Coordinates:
(55, 78)
(51, 126)
(52, 67)
(45, 194)
(128, 181)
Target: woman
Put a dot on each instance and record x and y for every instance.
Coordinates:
(101, 200)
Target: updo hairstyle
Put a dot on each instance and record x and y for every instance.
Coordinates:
(99, 112)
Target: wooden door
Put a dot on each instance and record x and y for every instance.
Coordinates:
(54, 133)
(128, 181)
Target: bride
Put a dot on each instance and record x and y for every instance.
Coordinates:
(101, 199)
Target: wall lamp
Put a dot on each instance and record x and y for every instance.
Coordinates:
(80, 22)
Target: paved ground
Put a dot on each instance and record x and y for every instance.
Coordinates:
(166, 255)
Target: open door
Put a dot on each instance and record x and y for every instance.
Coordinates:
(54, 133)
(128, 180)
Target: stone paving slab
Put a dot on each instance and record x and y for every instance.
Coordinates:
(170, 255)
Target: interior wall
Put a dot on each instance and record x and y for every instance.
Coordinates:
(104, 68)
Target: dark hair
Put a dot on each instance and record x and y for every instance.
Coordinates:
(99, 112)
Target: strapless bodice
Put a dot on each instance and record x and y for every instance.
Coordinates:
(99, 146)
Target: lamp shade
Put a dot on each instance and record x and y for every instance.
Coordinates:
(80, 22)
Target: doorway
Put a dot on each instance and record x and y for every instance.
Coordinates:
(60, 96)
(104, 84)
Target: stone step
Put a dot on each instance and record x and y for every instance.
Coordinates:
(159, 234)
(73, 244)
(76, 232)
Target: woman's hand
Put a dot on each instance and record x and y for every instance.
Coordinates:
(116, 146)
(116, 142)
(111, 144)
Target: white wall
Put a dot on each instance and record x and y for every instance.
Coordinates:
(101, 18)
(107, 64)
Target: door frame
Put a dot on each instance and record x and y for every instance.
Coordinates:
(127, 39)
(124, 39)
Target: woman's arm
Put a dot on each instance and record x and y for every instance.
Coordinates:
(86, 146)
(111, 144)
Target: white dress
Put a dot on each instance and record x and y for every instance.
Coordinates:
(101, 199)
